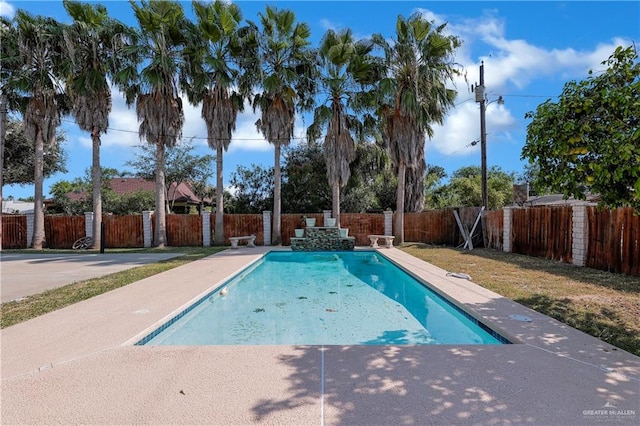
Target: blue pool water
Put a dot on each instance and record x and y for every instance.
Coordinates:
(301, 298)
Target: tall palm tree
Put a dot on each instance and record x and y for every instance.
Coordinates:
(414, 95)
(285, 76)
(214, 78)
(8, 65)
(37, 83)
(155, 87)
(95, 45)
(347, 70)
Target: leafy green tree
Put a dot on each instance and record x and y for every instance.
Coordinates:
(589, 141)
(92, 37)
(304, 179)
(432, 183)
(181, 164)
(252, 189)
(347, 69)
(285, 74)
(213, 77)
(37, 85)
(373, 183)
(19, 161)
(63, 203)
(154, 88)
(465, 188)
(414, 95)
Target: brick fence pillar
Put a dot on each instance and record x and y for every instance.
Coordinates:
(506, 229)
(388, 222)
(146, 228)
(30, 228)
(579, 235)
(88, 224)
(266, 226)
(206, 229)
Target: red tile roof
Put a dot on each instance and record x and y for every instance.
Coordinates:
(183, 193)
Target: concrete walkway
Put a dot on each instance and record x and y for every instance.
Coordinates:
(78, 366)
(31, 273)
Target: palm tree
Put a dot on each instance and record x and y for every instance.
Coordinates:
(414, 95)
(213, 77)
(346, 70)
(155, 87)
(8, 65)
(37, 82)
(91, 38)
(285, 75)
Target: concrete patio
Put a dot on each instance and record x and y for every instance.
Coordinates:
(78, 365)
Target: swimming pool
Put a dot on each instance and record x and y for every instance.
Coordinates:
(322, 298)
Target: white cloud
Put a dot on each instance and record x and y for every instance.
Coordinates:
(7, 10)
(246, 137)
(462, 127)
(123, 124)
(508, 64)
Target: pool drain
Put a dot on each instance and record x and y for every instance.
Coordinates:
(522, 318)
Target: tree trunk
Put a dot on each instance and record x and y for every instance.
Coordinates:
(399, 222)
(38, 205)
(335, 210)
(3, 134)
(276, 233)
(218, 233)
(96, 176)
(160, 234)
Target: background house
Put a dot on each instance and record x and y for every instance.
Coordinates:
(181, 198)
(17, 207)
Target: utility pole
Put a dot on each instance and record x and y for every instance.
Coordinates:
(480, 97)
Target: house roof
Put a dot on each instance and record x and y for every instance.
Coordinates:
(182, 193)
(15, 207)
(558, 199)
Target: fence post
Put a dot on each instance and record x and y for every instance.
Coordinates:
(579, 234)
(266, 227)
(88, 224)
(146, 227)
(30, 228)
(326, 214)
(206, 229)
(506, 229)
(388, 222)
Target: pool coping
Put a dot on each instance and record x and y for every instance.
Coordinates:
(76, 364)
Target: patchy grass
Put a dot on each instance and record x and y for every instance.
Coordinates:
(51, 300)
(602, 304)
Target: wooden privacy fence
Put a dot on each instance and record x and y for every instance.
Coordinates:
(493, 228)
(236, 225)
(543, 232)
(614, 240)
(432, 227)
(123, 231)
(586, 236)
(62, 231)
(14, 231)
(361, 225)
(184, 230)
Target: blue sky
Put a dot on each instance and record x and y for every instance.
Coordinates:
(530, 50)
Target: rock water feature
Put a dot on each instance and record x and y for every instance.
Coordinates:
(323, 238)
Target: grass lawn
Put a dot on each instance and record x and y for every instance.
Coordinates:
(602, 304)
(51, 300)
